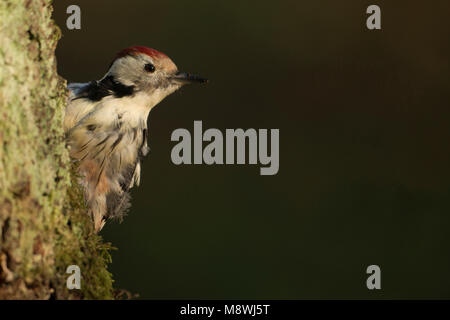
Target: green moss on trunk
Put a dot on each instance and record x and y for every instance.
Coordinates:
(43, 225)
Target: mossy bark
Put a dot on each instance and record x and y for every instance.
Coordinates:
(43, 225)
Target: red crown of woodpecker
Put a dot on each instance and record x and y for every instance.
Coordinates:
(131, 51)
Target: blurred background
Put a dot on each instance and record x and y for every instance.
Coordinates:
(364, 147)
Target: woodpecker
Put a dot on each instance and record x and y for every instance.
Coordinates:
(106, 126)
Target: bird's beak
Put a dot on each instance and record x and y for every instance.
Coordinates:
(186, 78)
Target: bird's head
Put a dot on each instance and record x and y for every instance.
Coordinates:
(149, 70)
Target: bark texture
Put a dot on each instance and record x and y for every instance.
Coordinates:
(43, 225)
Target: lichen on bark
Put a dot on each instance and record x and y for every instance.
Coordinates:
(43, 225)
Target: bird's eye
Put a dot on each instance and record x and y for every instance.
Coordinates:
(149, 67)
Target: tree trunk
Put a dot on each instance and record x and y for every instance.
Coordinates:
(43, 225)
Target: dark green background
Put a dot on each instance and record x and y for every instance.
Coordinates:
(364, 147)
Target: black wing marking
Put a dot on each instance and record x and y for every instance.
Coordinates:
(97, 90)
